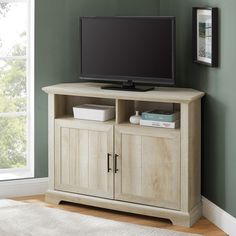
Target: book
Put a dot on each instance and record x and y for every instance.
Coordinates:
(160, 124)
(160, 115)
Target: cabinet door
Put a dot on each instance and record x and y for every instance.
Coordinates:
(83, 157)
(148, 164)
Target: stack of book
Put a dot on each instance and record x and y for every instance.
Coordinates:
(161, 119)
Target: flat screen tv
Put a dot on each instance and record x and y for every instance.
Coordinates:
(128, 50)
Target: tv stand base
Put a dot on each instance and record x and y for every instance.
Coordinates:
(185, 219)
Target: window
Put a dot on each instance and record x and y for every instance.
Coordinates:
(16, 89)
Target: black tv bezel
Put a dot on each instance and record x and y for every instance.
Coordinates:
(139, 80)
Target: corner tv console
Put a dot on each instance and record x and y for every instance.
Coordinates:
(125, 167)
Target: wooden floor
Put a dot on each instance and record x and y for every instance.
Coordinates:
(202, 227)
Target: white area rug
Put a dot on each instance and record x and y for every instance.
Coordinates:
(26, 219)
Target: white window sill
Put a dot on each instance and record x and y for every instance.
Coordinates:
(16, 174)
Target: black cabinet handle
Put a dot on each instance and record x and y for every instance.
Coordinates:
(108, 162)
(116, 169)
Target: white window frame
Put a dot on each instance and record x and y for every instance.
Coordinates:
(28, 171)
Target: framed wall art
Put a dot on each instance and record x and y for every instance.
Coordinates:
(205, 36)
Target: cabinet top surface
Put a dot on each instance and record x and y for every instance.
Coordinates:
(159, 94)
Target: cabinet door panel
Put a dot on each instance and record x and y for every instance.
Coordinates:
(149, 166)
(131, 159)
(73, 153)
(82, 152)
(81, 158)
(97, 162)
(65, 151)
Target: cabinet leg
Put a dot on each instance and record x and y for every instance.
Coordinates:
(189, 220)
(185, 222)
(52, 199)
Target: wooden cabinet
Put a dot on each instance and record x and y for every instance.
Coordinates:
(83, 154)
(148, 163)
(125, 167)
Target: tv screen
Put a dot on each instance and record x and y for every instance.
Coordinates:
(140, 49)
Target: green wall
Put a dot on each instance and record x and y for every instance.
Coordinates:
(57, 51)
(57, 60)
(219, 111)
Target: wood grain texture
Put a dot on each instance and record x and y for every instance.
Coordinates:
(190, 154)
(177, 217)
(158, 169)
(130, 166)
(143, 106)
(149, 164)
(203, 226)
(124, 109)
(185, 157)
(60, 105)
(82, 174)
(160, 94)
(195, 153)
(64, 156)
(98, 149)
(81, 158)
(51, 137)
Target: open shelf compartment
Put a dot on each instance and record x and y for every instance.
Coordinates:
(127, 108)
(64, 104)
(124, 108)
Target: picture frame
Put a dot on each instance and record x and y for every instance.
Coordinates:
(205, 36)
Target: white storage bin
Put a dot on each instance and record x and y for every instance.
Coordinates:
(94, 112)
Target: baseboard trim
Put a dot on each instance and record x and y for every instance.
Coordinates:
(219, 217)
(23, 187)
